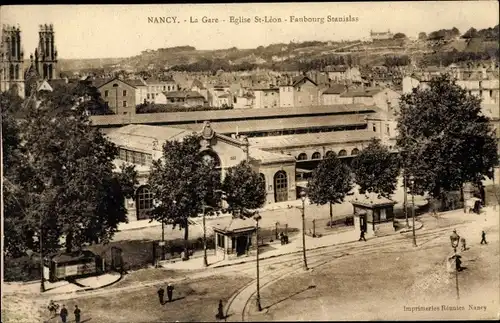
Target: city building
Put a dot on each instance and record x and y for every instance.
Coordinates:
(376, 36)
(183, 98)
(12, 60)
(119, 95)
(305, 92)
(384, 98)
(331, 95)
(140, 144)
(156, 86)
(266, 98)
(45, 58)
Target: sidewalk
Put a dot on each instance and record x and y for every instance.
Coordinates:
(196, 263)
(63, 287)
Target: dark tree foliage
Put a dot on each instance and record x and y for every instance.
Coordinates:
(64, 179)
(244, 188)
(446, 139)
(471, 33)
(399, 36)
(422, 36)
(393, 61)
(376, 169)
(182, 182)
(330, 182)
(444, 34)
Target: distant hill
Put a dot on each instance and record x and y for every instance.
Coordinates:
(305, 55)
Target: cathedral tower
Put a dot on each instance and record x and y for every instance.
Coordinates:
(11, 60)
(46, 53)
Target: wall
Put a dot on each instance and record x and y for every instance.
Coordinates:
(330, 99)
(382, 98)
(305, 94)
(286, 96)
(129, 98)
(269, 170)
(140, 94)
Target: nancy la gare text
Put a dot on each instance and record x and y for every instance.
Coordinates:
(237, 20)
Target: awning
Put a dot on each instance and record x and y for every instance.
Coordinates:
(303, 171)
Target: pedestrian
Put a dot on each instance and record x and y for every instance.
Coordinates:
(362, 236)
(220, 311)
(63, 314)
(161, 294)
(77, 314)
(170, 291)
(464, 246)
(53, 307)
(483, 238)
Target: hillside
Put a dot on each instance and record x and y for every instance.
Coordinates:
(440, 45)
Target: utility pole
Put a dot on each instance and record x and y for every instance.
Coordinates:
(413, 211)
(303, 197)
(257, 217)
(205, 260)
(42, 279)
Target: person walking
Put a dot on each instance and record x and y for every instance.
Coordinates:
(63, 314)
(161, 294)
(77, 313)
(483, 238)
(362, 236)
(464, 245)
(170, 291)
(220, 311)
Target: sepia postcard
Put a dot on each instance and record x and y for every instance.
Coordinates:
(329, 161)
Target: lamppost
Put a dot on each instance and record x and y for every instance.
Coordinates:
(42, 279)
(455, 239)
(257, 218)
(303, 198)
(413, 209)
(405, 202)
(205, 259)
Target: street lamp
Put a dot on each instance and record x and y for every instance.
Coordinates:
(455, 239)
(303, 198)
(257, 218)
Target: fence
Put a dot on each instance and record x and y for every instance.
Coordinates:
(319, 227)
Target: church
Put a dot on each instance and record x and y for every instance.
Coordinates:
(140, 144)
(43, 64)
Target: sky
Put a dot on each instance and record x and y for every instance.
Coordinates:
(102, 31)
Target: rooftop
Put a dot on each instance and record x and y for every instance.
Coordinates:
(142, 137)
(280, 124)
(371, 200)
(232, 224)
(335, 89)
(233, 114)
(362, 93)
(309, 139)
(266, 157)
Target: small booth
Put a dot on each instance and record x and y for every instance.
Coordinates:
(373, 213)
(234, 237)
(73, 265)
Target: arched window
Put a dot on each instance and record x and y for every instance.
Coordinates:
(343, 152)
(316, 155)
(302, 156)
(144, 202)
(329, 153)
(355, 151)
(209, 157)
(280, 186)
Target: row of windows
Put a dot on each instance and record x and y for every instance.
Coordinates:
(317, 155)
(387, 129)
(164, 88)
(106, 93)
(135, 157)
(124, 103)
